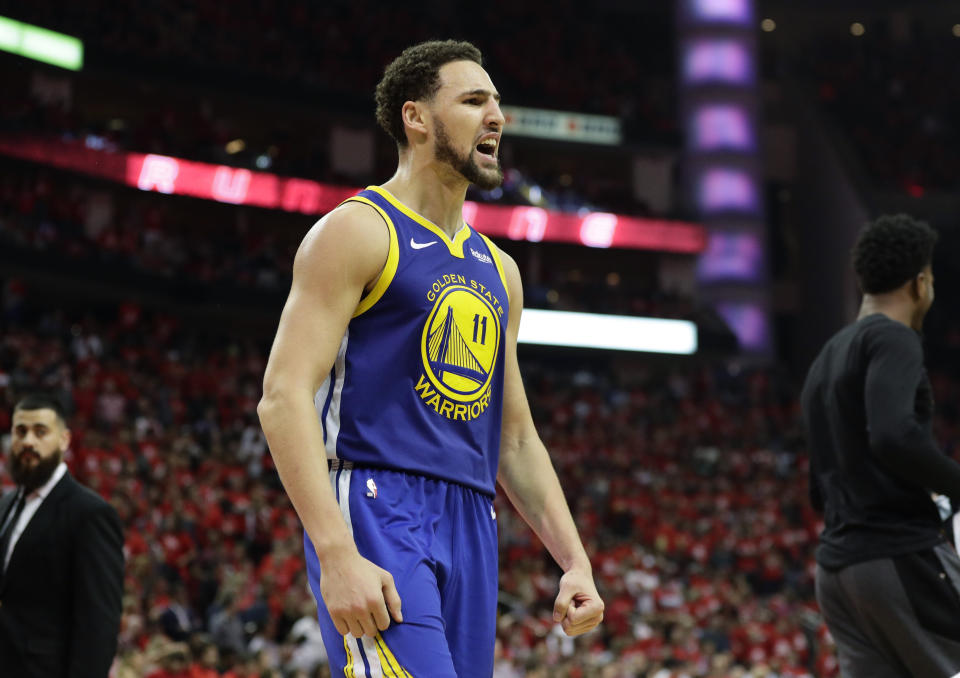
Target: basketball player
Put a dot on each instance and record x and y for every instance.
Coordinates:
(887, 581)
(393, 401)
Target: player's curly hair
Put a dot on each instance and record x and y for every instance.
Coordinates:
(415, 76)
(892, 250)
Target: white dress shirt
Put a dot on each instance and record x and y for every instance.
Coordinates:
(30, 506)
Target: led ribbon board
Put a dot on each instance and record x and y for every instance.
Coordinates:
(41, 44)
(614, 332)
(238, 186)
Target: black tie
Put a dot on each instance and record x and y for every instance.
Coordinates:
(8, 525)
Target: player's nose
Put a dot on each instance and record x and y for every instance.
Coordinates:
(494, 116)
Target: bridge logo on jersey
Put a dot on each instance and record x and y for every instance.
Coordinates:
(459, 349)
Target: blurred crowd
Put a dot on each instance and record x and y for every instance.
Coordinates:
(66, 222)
(263, 89)
(687, 481)
(892, 97)
(340, 48)
(131, 233)
(688, 485)
(210, 127)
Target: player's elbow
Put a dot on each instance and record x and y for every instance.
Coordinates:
(284, 397)
(263, 409)
(270, 412)
(271, 403)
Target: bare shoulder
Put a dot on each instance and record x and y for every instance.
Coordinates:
(350, 223)
(353, 234)
(508, 262)
(512, 273)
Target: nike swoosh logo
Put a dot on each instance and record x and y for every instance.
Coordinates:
(420, 245)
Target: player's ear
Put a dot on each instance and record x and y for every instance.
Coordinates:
(924, 281)
(916, 286)
(414, 117)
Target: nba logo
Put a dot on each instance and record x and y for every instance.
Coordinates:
(371, 488)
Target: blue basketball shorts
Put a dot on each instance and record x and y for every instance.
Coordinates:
(439, 541)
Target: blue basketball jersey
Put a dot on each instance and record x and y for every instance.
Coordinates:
(417, 384)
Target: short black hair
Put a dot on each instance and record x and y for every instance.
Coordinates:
(892, 250)
(415, 76)
(42, 401)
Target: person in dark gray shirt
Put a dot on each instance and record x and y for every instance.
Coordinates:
(887, 580)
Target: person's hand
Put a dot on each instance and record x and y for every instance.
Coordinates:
(359, 596)
(578, 607)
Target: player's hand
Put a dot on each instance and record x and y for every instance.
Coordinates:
(578, 608)
(359, 596)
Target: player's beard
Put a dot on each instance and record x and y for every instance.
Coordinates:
(33, 476)
(465, 164)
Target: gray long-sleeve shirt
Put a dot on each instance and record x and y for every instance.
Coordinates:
(867, 406)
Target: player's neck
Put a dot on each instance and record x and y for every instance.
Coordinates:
(890, 305)
(432, 191)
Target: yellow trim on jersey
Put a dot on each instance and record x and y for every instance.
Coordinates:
(348, 671)
(455, 245)
(388, 661)
(496, 258)
(389, 268)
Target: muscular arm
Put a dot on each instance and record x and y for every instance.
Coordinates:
(897, 438)
(339, 257)
(527, 476)
(97, 592)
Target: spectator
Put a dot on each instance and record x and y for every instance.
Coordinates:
(61, 559)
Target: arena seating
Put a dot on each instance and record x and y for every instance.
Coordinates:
(687, 482)
(151, 241)
(175, 84)
(686, 478)
(892, 101)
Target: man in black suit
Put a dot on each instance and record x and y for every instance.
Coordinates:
(61, 558)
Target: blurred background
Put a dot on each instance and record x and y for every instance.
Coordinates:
(709, 161)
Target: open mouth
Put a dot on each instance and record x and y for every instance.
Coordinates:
(488, 147)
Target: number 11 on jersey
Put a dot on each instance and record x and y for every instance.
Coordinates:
(480, 327)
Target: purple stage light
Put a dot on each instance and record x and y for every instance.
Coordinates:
(724, 189)
(722, 127)
(724, 61)
(721, 11)
(731, 256)
(749, 322)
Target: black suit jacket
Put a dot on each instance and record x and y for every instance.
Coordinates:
(60, 600)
